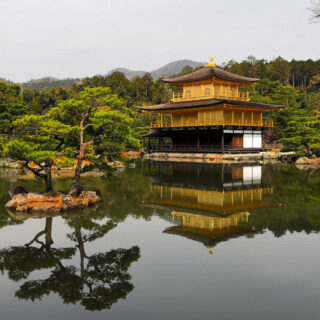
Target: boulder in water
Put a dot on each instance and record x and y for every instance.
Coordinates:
(52, 202)
(17, 190)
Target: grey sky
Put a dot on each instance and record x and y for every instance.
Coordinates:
(77, 38)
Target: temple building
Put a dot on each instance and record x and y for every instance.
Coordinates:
(210, 111)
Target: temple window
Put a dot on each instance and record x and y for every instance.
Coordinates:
(188, 94)
(207, 92)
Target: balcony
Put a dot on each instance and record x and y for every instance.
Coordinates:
(227, 94)
(225, 122)
(202, 149)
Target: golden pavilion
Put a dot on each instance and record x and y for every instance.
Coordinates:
(210, 112)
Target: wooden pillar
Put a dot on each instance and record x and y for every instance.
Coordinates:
(198, 140)
(222, 141)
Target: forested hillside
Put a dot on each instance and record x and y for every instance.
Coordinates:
(49, 83)
(293, 84)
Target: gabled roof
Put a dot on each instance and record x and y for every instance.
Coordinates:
(208, 102)
(209, 73)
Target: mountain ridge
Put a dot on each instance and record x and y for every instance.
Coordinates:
(165, 71)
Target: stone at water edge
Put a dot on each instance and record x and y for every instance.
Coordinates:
(51, 203)
(304, 160)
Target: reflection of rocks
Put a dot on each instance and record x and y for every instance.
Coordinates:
(11, 175)
(304, 160)
(304, 163)
(9, 163)
(51, 203)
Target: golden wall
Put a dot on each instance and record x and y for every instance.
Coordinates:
(210, 88)
(213, 116)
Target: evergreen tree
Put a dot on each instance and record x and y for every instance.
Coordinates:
(303, 133)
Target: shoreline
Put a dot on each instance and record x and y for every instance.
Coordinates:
(211, 158)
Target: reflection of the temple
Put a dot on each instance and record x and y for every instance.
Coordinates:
(210, 204)
(208, 229)
(219, 202)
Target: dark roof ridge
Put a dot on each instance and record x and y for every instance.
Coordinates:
(208, 102)
(208, 73)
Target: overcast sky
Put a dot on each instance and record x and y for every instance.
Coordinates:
(78, 38)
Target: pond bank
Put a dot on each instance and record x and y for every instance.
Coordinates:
(223, 158)
(13, 164)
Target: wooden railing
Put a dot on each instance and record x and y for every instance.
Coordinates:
(179, 96)
(201, 149)
(225, 122)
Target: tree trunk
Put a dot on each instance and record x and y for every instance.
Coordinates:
(75, 189)
(48, 179)
(308, 149)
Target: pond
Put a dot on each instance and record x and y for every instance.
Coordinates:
(168, 241)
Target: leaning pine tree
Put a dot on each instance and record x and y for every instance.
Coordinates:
(103, 123)
(37, 141)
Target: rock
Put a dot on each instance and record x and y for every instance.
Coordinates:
(51, 203)
(17, 190)
(118, 164)
(304, 160)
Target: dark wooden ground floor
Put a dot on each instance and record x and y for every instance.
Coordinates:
(208, 140)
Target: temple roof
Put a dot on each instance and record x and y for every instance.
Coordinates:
(208, 102)
(209, 73)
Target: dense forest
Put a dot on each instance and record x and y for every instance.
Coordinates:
(293, 84)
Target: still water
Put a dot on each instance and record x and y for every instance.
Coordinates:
(168, 241)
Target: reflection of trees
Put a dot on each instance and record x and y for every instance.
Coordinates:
(101, 280)
(101, 283)
(124, 195)
(20, 261)
(297, 193)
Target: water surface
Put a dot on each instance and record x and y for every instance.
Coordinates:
(174, 241)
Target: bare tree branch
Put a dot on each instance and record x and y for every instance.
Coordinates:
(315, 10)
